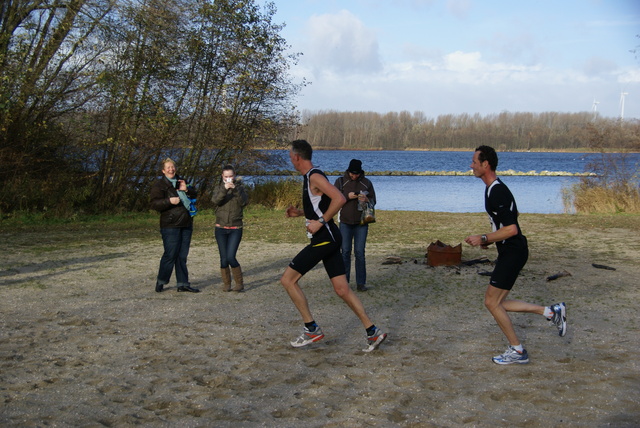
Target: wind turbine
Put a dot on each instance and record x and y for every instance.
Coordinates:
(622, 95)
(594, 108)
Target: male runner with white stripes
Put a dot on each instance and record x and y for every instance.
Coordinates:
(513, 253)
(321, 202)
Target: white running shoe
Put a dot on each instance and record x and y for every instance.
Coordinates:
(375, 340)
(511, 356)
(308, 337)
(559, 318)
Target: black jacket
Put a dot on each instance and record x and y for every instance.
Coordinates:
(349, 213)
(171, 216)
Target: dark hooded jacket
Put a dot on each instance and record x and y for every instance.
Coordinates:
(349, 214)
(171, 216)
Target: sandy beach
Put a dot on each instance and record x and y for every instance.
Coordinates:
(85, 340)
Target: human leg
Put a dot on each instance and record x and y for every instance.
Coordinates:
(346, 230)
(289, 281)
(359, 243)
(234, 236)
(493, 301)
(170, 243)
(233, 242)
(342, 289)
(182, 272)
(221, 239)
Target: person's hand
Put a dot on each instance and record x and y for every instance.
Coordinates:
(473, 240)
(363, 198)
(352, 195)
(182, 185)
(292, 211)
(174, 200)
(229, 185)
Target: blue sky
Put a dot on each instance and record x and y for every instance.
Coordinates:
(465, 56)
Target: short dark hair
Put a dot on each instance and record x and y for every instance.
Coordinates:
(229, 168)
(302, 148)
(488, 154)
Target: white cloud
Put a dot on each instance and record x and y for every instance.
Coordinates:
(342, 43)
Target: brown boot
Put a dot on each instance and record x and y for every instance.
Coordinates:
(237, 276)
(226, 279)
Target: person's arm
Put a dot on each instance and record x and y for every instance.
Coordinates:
(372, 194)
(321, 186)
(160, 201)
(244, 198)
(501, 234)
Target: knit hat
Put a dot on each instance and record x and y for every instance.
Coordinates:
(355, 166)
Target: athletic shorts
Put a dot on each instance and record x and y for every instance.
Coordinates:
(327, 252)
(510, 263)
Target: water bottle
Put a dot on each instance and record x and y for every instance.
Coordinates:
(362, 204)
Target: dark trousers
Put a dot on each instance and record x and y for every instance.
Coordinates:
(176, 242)
(228, 242)
(356, 235)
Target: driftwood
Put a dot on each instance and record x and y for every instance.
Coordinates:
(476, 261)
(558, 275)
(392, 260)
(597, 266)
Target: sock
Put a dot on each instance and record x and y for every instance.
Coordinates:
(371, 330)
(548, 312)
(311, 326)
(518, 348)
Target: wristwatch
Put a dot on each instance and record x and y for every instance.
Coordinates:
(322, 220)
(483, 238)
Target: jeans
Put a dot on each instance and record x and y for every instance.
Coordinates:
(176, 242)
(357, 234)
(228, 242)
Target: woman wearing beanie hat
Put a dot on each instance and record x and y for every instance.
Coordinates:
(356, 189)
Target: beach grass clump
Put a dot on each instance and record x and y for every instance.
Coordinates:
(276, 193)
(591, 197)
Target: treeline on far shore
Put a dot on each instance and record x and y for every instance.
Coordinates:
(548, 131)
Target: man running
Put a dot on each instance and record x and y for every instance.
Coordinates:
(321, 202)
(513, 253)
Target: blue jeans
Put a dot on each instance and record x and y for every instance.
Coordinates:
(228, 242)
(176, 242)
(357, 234)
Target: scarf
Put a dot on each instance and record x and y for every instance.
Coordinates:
(181, 193)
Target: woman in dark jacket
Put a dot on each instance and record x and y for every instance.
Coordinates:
(229, 199)
(357, 190)
(170, 197)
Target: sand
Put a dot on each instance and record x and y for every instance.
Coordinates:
(85, 341)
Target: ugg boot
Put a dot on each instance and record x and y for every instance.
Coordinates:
(226, 278)
(237, 276)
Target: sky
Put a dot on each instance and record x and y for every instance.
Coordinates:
(465, 56)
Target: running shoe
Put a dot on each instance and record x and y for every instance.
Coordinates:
(374, 340)
(308, 337)
(511, 356)
(559, 318)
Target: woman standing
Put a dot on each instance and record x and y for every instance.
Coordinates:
(357, 190)
(229, 200)
(170, 196)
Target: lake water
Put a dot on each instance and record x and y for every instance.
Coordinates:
(534, 194)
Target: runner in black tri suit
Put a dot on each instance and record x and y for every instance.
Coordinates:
(321, 202)
(513, 253)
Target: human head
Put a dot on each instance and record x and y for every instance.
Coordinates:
(302, 148)
(488, 154)
(228, 172)
(355, 166)
(169, 168)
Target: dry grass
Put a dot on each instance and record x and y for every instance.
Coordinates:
(587, 197)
